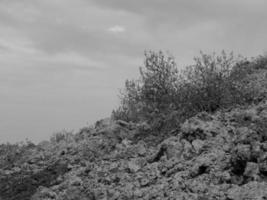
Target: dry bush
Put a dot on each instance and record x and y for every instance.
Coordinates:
(165, 96)
(152, 93)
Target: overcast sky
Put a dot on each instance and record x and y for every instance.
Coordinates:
(62, 62)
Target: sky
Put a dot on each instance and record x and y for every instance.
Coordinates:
(62, 62)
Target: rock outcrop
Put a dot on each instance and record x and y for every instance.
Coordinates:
(219, 156)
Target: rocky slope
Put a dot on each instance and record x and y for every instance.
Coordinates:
(219, 156)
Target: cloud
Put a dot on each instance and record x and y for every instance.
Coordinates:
(117, 29)
(83, 50)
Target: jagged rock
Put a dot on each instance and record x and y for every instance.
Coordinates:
(44, 193)
(76, 181)
(263, 164)
(239, 159)
(212, 157)
(198, 145)
(133, 165)
(172, 147)
(23, 184)
(252, 190)
(126, 143)
(201, 127)
(141, 149)
(76, 193)
(252, 171)
(188, 150)
(246, 136)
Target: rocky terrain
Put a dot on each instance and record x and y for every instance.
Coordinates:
(221, 154)
(210, 156)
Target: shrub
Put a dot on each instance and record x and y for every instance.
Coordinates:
(251, 79)
(163, 96)
(63, 135)
(260, 62)
(152, 93)
(129, 109)
(207, 85)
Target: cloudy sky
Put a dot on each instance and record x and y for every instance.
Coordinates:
(62, 62)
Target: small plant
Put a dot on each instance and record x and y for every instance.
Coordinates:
(62, 136)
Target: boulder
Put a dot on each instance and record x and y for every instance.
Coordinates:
(202, 126)
(252, 190)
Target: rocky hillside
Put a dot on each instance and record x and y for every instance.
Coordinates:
(219, 156)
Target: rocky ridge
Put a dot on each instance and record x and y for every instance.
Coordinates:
(218, 156)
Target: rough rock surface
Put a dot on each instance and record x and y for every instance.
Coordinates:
(220, 156)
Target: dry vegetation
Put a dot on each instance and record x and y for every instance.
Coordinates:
(197, 134)
(213, 82)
